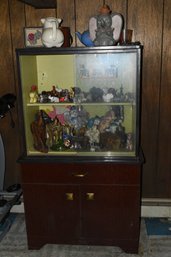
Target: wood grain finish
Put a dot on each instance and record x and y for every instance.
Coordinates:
(33, 16)
(145, 17)
(110, 217)
(7, 85)
(164, 140)
(85, 10)
(150, 21)
(67, 14)
(119, 6)
(41, 3)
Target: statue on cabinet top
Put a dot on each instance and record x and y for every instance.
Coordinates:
(105, 28)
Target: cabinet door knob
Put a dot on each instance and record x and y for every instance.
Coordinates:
(90, 196)
(80, 175)
(69, 196)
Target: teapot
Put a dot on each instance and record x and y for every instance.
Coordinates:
(85, 38)
(52, 36)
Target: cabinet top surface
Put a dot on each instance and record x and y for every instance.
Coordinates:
(68, 159)
(55, 50)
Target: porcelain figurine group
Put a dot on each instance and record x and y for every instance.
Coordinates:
(76, 95)
(68, 128)
(104, 29)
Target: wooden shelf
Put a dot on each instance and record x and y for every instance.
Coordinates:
(40, 4)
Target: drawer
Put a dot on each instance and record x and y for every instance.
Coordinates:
(85, 173)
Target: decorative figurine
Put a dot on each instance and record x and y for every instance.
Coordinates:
(53, 132)
(106, 120)
(52, 35)
(108, 97)
(129, 142)
(94, 137)
(85, 38)
(109, 141)
(60, 113)
(105, 28)
(33, 94)
(38, 129)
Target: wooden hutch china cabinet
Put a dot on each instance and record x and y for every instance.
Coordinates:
(81, 165)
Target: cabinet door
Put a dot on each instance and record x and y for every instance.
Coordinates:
(110, 212)
(52, 214)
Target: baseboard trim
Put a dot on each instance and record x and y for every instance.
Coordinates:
(156, 207)
(18, 208)
(150, 207)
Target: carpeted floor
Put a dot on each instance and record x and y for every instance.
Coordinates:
(14, 244)
(158, 226)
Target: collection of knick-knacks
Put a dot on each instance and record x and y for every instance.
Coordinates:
(104, 29)
(68, 128)
(76, 95)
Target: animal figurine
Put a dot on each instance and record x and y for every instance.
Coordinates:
(105, 28)
(85, 38)
(94, 136)
(38, 129)
(52, 36)
(106, 120)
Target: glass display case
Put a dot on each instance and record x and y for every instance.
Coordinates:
(80, 113)
(80, 101)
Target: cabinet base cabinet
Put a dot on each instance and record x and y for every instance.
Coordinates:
(92, 203)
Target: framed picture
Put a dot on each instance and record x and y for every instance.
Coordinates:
(33, 37)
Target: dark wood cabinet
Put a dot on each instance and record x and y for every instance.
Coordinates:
(91, 203)
(81, 162)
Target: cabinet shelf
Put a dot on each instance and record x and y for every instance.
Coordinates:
(83, 104)
(91, 154)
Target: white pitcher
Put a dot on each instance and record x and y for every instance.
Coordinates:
(52, 35)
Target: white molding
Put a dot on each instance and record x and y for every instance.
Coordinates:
(156, 211)
(18, 208)
(156, 207)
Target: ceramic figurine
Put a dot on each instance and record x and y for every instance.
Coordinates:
(106, 120)
(94, 137)
(105, 28)
(85, 38)
(108, 98)
(38, 129)
(129, 143)
(53, 99)
(33, 94)
(109, 141)
(53, 132)
(52, 36)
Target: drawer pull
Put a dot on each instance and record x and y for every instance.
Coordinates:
(90, 196)
(80, 175)
(69, 196)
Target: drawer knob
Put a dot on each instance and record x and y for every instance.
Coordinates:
(90, 196)
(69, 196)
(80, 175)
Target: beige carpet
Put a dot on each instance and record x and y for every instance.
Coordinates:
(14, 244)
